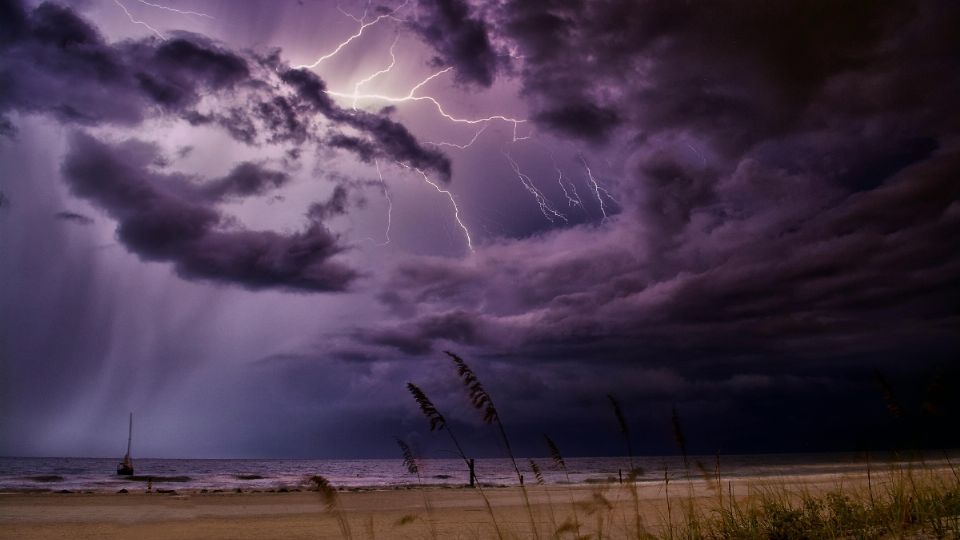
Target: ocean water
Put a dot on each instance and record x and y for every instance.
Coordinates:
(99, 475)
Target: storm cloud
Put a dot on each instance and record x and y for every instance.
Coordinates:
(760, 212)
(52, 48)
(460, 38)
(787, 200)
(736, 75)
(163, 217)
(127, 83)
(780, 179)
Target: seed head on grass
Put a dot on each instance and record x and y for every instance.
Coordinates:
(409, 461)
(678, 435)
(481, 401)
(618, 412)
(622, 423)
(405, 520)
(598, 501)
(478, 395)
(555, 453)
(437, 421)
(327, 492)
(635, 473)
(935, 395)
(568, 526)
(331, 502)
(889, 397)
(706, 474)
(536, 472)
(572, 524)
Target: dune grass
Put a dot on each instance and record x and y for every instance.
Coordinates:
(903, 499)
(911, 502)
(439, 423)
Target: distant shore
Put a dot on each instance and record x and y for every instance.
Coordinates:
(390, 513)
(29, 475)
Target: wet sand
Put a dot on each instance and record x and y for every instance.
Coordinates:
(396, 513)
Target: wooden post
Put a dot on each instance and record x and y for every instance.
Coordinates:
(473, 475)
(620, 472)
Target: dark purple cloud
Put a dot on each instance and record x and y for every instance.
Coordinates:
(385, 137)
(460, 39)
(418, 336)
(124, 83)
(51, 46)
(74, 217)
(168, 217)
(392, 139)
(255, 99)
(584, 120)
(788, 206)
(110, 83)
(245, 180)
(335, 205)
(737, 74)
(14, 21)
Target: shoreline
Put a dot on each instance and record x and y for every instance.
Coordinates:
(381, 513)
(183, 479)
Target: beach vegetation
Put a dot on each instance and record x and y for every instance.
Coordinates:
(908, 497)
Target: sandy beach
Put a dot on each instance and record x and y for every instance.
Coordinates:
(399, 513)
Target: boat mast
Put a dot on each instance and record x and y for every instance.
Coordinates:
(129, 435)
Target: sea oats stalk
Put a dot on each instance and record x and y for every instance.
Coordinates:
(482, 401)
(538, 476)
(331, 502)
(622, 424)
(558, 460)
(634, 471)
(410, 462)
(439, 423)
(678, 437)
(889, 397)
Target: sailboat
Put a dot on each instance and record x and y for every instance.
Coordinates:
(125, 467)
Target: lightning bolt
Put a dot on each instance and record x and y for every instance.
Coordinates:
(416, 94)
(180, 11)
(596, 188)
(703, 159)
(573, 187)
(352, 16)
(355, 96)
(135, 21)
(571, 201)
(518, 138)
(386, 194)
(607, 194)
(365, 80)
(546, 208)
(411, 96)
(355, 35)
(456, 209)
(461, 146)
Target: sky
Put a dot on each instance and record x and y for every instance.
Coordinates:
(252, 223)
